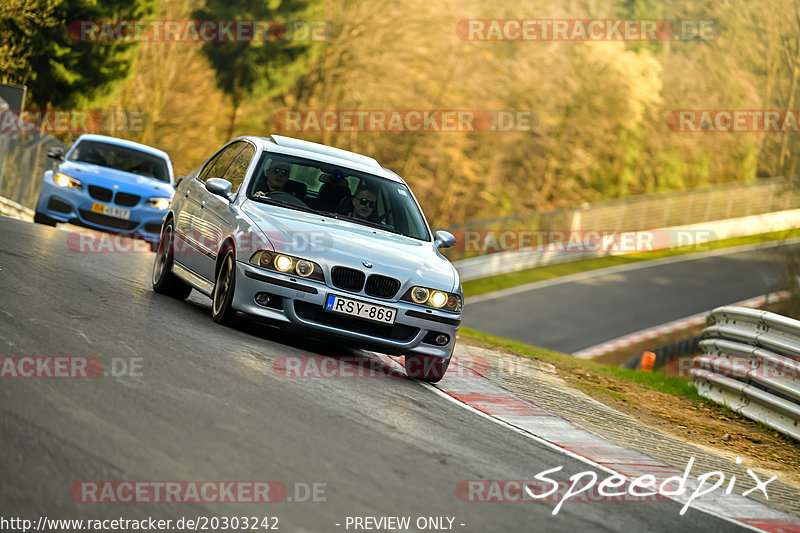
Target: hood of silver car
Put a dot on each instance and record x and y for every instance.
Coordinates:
(331, 242)
(91, 174)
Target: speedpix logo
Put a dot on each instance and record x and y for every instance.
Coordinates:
(589, 487)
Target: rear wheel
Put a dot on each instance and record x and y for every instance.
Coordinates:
(44, 219)
(222, 298)
(164, 281)
(427, 368)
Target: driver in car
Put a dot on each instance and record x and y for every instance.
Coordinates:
(277, 176)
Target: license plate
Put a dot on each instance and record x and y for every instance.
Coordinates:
(346, 306)
(112, 211)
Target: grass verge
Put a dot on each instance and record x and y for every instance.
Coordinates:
(505, 281)
(657, 381)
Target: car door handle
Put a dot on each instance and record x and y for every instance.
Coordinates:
(186, 195)
(202, 204)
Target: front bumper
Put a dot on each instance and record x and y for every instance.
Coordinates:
(300, 303)
(75, 206)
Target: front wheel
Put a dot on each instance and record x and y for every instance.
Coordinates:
(427, 368)
(164, 281)
(222, 298)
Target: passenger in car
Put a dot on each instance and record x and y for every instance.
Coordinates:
(363, 203)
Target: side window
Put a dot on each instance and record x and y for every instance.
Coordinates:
(216, 168)
(238, 169)
(204, 173)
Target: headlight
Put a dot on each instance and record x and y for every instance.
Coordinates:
(433, 298)
(162, 204)
(67, 182)
(288, 265)
(304, 268)
(419, 295)
(283, 263)
(438, 299)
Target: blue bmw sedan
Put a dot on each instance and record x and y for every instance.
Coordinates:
(314, 238)
(108, 184)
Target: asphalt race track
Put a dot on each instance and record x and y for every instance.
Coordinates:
(601, 306)
(204, 403)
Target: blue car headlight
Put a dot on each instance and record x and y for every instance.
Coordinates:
(162, 204)
(68, 182)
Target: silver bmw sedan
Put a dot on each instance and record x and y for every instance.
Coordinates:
(309, 236)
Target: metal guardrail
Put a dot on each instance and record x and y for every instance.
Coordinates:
(751, 364)
(23, 161)
(15, 210)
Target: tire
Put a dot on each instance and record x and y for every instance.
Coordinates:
(427, 368)
(224, 288)
(44, 219)
(164, 281)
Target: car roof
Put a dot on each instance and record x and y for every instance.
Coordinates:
(123, 142)
(321, 152)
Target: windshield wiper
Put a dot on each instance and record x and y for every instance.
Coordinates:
(372, 224)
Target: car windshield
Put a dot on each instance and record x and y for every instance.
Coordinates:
(121, 158)
(340, 192)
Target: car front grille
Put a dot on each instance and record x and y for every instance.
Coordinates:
(100, 193)
(126, 200)
(348, 279)
(316, 313)
(107, 221)
(381, 286)
(153, 228)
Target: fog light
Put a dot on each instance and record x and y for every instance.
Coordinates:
(262, 298)
(442, 339)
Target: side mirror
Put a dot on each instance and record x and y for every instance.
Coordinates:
(220, 187)
(56, 153)
(444, 239)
